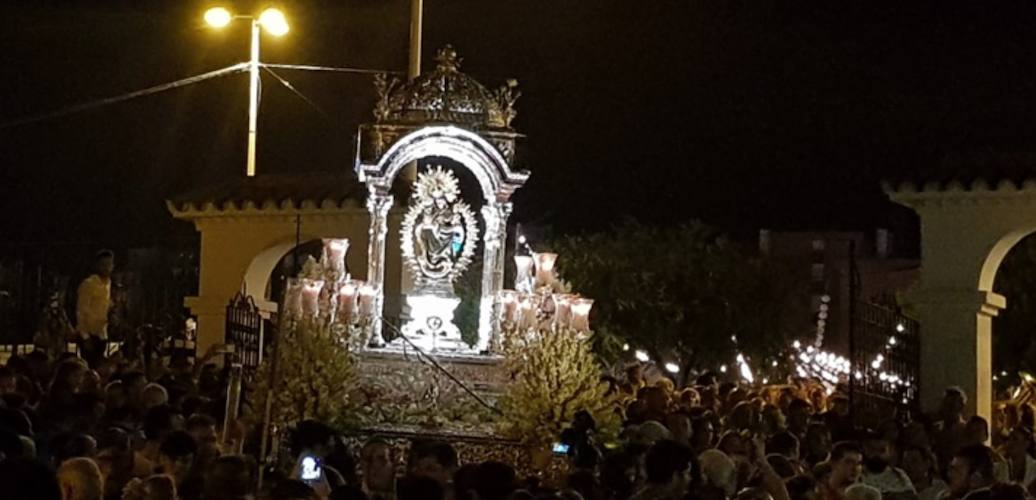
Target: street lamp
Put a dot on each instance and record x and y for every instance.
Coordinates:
(274, 22)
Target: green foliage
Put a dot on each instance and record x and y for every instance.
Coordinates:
(315, 369)
(555, 374)
(682, 293)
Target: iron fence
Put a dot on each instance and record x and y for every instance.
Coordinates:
(885, 379)
(245, 329)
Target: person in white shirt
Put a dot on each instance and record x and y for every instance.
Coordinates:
(878, 471)
(92, 306)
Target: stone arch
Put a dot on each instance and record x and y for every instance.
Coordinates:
(965, 235)
(256, 279)
(495, 176)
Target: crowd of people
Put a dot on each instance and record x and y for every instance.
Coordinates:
(117, 429)
(93, 426)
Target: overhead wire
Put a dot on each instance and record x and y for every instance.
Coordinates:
(295, 91)
(124, 97)
(306, 67)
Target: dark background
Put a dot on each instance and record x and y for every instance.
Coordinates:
(745, 114)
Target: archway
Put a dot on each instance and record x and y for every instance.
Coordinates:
(965, 235)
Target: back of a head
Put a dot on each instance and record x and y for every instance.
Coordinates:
(496, 481)
(782, 443)
(348, 493)
(781, 465)
(419, 488)
(229, 477)
(82, 476)
(309, 434)
(10, 445)
(1007, 491)
(442, 452)
(860, 491)
(154, 395)
(66, 446)
(156, 487)
(292, 489)
(178, 444)
(843, 448)
(717, 469)
(980, 460)
(158, 421)
(23, 478)
(665, 459)
(800, 487)
(465, 481)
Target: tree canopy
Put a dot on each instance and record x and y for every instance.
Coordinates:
(685, 295)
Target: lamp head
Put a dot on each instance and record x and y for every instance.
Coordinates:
(218, 17)
(274, 22)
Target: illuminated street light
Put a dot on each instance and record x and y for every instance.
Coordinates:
(274, 22)
(218, 17)
(641, 356)
(672, 368)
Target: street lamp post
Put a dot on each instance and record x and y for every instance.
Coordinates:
(273, 21)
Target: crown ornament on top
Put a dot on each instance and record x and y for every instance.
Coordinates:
(445, 95)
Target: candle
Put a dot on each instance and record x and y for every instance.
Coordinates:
(346, 301)
(310, 297)
(523, 278)
(293, 299)
(334, 255)
(545, 268)
(562, 309)
(367, 294)
(581, 314)
(508, 306)
(526, 314)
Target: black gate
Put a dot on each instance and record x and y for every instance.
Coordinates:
(886, 364)
(244, 330)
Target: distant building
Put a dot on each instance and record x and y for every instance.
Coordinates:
(823, 259)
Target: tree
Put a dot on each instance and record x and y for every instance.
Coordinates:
(314, 372)
(555, 375)
(685, 295)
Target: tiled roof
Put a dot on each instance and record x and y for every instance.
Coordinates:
(318, 189)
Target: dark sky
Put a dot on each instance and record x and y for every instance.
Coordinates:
(743, 113)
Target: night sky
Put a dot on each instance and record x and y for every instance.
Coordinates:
(745, 114)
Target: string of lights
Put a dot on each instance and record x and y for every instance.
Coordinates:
(78, 108)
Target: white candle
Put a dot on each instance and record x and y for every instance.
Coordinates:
(367, 294)
(523, 277)
(562, 309)
(311, 296)
(293, 299)
(545, 268)
(508, 305)
(334, 253)
(346, 301)
(581, 314)
(526, 313)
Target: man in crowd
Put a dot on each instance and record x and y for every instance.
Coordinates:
(668, 470)
(436, 460)
(878, 472)
(846, 468)
(80, 479)
(92, 307)
(971, 473)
